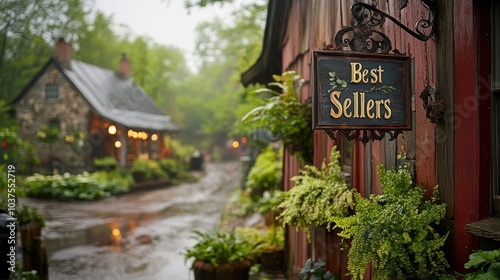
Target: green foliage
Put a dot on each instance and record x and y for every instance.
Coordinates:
(265, 175)
(114, 182)
(6, 118)
(78, 187)
(336, 83)
(171, 167)
(319, 197)
(283, 115)
(106, 163)
(47, 134)
(29, 30)
(17, 152)
(382, 89)
(207, 102)
(75, 139)
(269, 240)
(393, 231)
(24, 275)
(243, 204)
(486, 265)
(28, 214)
(315, 271)
(220, 248)
(268, 202)
(146, 169)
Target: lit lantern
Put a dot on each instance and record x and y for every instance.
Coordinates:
(236, 144)
(118, 144)
(112, 129)
(154, 137)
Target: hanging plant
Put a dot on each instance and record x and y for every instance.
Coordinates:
(318, 198)
(394, 231)
(284, 116)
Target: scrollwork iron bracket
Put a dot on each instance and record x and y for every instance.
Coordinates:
(363, 36)
(367, 39)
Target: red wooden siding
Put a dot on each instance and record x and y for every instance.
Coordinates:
(312, 24)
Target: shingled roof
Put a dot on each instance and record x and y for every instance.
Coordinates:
(112, 95)
(117, 98)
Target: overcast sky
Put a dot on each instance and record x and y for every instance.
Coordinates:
(167, 22)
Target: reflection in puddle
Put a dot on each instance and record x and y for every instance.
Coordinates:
(112, 233)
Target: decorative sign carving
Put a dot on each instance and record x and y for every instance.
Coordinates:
(362, 92)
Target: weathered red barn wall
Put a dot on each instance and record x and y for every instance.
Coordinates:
(312, 25)
(471, 122)
(455, 152)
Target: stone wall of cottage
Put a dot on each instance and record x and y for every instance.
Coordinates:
(70, 110)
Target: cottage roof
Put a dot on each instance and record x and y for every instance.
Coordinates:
(112, 96)
(117, 98)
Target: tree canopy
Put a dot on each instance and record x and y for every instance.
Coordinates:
(205, 101)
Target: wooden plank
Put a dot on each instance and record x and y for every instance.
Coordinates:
(466, 149)
(444, 129)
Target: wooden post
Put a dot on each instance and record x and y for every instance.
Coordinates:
(123, 148)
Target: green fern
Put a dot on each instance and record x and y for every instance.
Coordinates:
(393, 231)
(318, 197)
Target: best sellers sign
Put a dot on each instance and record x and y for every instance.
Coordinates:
(356, 91)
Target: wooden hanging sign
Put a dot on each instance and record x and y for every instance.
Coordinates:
(357, 91)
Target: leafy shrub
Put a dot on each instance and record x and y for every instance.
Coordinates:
(393, 231)
(265, 175)
(171, 167)
(146, 169)
(77, 187)
(115, 182)
(105, 163)
(268, 240)
(318, 198)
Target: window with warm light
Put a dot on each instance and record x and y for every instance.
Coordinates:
(112, 129)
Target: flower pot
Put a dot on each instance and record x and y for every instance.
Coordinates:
(272, 264)
(234, 271)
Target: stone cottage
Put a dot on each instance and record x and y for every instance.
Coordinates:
(74, 112)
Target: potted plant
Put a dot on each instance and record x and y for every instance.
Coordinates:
(272, 253)
(269, 245)
(318, 197)
(283, 115)
(393, 232)
(221, 256)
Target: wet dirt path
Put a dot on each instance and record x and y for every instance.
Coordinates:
(135, 236)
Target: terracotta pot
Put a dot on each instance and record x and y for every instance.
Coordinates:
(234, 271)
